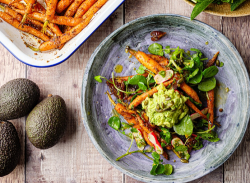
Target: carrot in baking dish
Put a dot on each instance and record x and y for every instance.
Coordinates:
(62, 5)
(56, 42)
(138, 100)
(28, 10)
(9, 19)
(73, 8)
(50, 12)
(146, 61)
(210, 105)
(84, 8)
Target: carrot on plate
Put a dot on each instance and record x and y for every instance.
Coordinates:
(163, 61)
(190, 92)
(192, 106)
(146, 61)
(212, 60)
(138, 100)
(210, 105)
(9, 19)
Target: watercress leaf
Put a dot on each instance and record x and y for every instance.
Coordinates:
(166, 135)
(141, 69)
(136, 79)
(194, 49)
(142, 86)
(185, 126)
(134, 130)
(210, 71)
(156, 161)
(98, 79)
(198, 144)
(188, 64)
(193, 73)
(160, 169)
(181, 148)
(156, 49)
(168, 169)
(126, 125)
(155, 155)
(196, 79)
(152, 172)
(236, 3)
(114, 122)
(199, 7)
(163, 145)
(221, 64)
(167, 50)
(212, 136)
(207, 84)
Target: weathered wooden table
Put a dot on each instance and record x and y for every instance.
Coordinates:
(74, 158)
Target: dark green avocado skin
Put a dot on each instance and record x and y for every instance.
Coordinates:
(17, 98)
(46, 123)
(10, 148)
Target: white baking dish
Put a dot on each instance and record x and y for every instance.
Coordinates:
(13, 40)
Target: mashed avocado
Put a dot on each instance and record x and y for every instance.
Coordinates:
(166, 107)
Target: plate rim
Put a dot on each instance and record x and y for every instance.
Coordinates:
(84, 112)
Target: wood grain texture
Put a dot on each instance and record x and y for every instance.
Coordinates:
(12, 69)
(74, 158)
(141, 8)
(237, 168)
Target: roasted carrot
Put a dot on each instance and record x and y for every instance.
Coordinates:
(126, 115)
(138, 100)
(210, 105)
(73, 8)
(212, 61)
(56, 42)
(163, 61)
(190, 92)
(60, 20)
(14, 4)
(143, 124)
(146, 61)
(28, 10)
(39, 8)
(84, 8)
(9, 19)
(145, 136)
(192, 106)
(62, 5)
(29, 22)
(50, 12)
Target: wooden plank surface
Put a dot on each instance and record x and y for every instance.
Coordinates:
(141, 8)
(12, 69)
(237, 168)
(74, 158)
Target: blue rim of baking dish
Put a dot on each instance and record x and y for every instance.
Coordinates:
(71, 52)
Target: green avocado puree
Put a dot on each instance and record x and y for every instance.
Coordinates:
(166, 107)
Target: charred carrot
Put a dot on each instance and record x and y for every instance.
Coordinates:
(143, 125)
(192, 106)
(138, 100)
(210, 105)
(190, 92)
(9, 19)
(163, 61)
(146, 61)
(126, 115)
(62, 5)
(28, 10)
(50, 12)
(84, 8)
(73, 8)
(56, 42)
(212, 61)
(60, 20)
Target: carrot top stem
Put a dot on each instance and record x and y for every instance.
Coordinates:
(110, 98)
(24, 19)
(31, 47)
(45, 26)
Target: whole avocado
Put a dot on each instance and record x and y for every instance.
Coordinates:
(10, 148)
(17, 98)
(46, 123)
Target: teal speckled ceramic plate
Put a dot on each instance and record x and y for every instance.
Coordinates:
(181, 31)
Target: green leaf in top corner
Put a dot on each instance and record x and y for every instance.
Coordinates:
(98, 79)
(199, 7)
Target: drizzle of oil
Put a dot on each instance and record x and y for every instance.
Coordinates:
(220, 95)
(118, 68)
